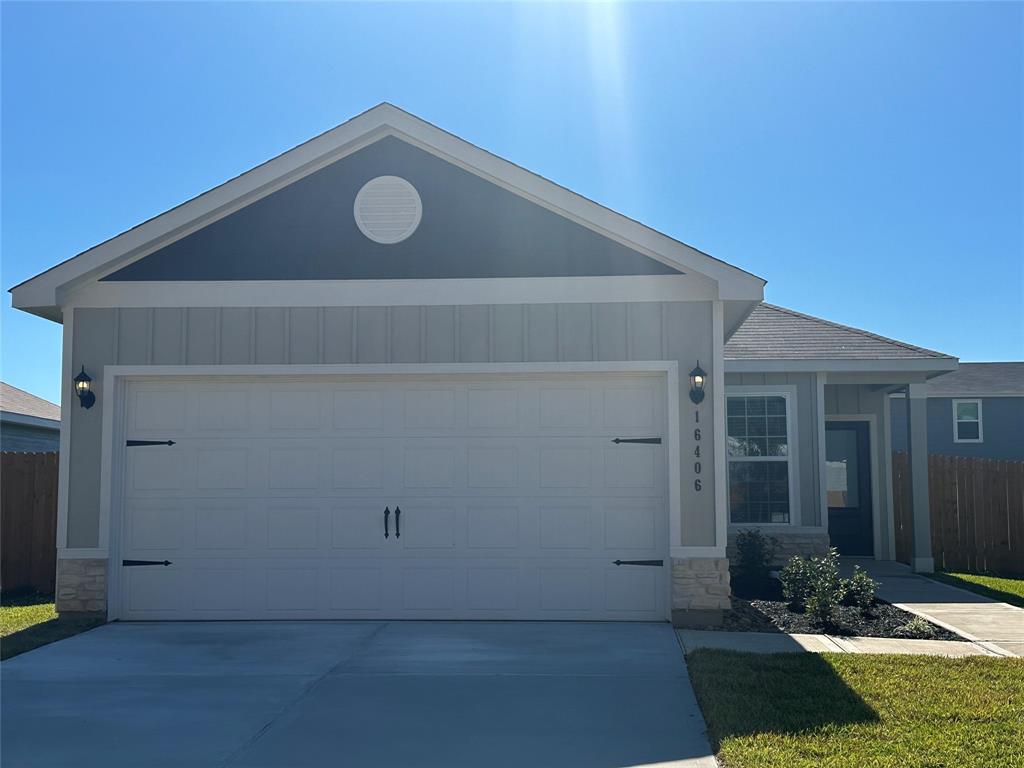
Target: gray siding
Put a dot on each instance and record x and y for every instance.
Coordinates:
(471, 228)
(807, 448)
(505, 333)
(1002, 428)
(22, 438)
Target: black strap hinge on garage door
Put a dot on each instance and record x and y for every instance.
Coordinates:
(132, 563)
(639, 562)
(133, 443)
(647, 440)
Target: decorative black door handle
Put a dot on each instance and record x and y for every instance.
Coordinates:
(387, 511)
(646, 440)
(398, 515)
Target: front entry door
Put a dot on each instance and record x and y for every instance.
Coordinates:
(848, 471)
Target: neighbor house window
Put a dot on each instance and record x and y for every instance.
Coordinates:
(967, 421)
(759, 449)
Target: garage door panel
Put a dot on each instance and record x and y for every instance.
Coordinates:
(222, 469)
(514, 500)
(357, 526)
(293, 527)
(357, 588)
(221, 526)
(156, 525)
(491, 526)
(631, 589)
(631, 525)
(632, 466)
(292, 588)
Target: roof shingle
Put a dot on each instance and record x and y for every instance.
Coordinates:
(776, 333)
(14, 400)
(980, 379)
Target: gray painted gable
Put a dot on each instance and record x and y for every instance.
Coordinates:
(471, 228)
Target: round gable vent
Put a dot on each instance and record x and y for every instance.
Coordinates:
(388, 209)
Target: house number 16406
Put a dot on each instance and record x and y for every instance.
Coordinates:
(696, 450)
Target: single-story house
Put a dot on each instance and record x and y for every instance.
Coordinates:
(28, 424)
(975, 411)
(388, 374)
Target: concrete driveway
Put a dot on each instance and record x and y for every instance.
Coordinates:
(354, 694)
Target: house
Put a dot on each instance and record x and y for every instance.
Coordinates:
(975, 411)
(28, 424)
(388, 374)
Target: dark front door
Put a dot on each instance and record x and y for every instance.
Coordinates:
(848, 473)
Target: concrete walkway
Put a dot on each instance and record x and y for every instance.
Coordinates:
(995, 626)
(772, 642)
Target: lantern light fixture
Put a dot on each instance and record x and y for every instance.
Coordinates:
(698, 377)
(83, 388)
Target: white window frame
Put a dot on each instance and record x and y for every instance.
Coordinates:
(956, 422)
(788, 393)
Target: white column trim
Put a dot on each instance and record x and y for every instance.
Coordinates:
(66, 406)
(718, 402)
(820, 380)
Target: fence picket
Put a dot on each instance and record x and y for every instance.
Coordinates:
(977, 513)
(28, 521)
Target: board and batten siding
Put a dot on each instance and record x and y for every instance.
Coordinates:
(506, 333)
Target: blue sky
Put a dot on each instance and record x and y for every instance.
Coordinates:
(866, 159)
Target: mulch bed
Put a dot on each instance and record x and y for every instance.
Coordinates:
(768, 612)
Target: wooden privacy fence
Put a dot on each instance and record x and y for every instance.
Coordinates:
(28, 521)
(977, 513)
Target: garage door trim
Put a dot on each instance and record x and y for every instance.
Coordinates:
(116, 378)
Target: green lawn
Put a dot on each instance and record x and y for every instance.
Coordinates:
(1007, 589)
(804, 710)
(27, 622)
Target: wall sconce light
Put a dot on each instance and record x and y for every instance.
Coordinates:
(83, 388)
(697, 378)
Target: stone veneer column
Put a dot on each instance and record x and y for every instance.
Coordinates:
(81, 586)
(700, 590)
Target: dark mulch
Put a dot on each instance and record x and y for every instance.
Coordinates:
(766, 611)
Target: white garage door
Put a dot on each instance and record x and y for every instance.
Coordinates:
(280, 499)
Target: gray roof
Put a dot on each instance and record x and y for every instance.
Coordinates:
(14, 400)
(776, 333)
(980, 379)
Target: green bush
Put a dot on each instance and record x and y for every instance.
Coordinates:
(750, 569)
(859, 590)
(795, 578)
(813, 584)
(916, 628)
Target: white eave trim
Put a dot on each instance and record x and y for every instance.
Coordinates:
(10, 417)
(369, 293)
(40, 293)
(898, 365)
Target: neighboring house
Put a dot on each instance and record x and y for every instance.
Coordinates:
(27, 423)
(977, 410)
(387, 374)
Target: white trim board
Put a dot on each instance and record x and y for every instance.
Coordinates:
(115, 380)
(879, 365)
(40, 294)
(371, 293)
(789, 392)
(956, 421)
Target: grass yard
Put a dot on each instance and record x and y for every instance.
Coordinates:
(1006, 589)
(29, 621)
(804, 710)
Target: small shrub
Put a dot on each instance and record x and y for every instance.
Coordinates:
(750, 570)
(796, 582)
(859, 590)
(917, 628)
(814, 584)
